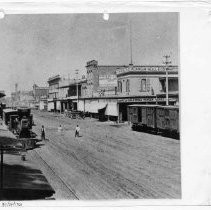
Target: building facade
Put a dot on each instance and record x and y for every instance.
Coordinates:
(108, 90)
(70, 91)
(53, 93)
(40, 95)
(101, 79)
(146, 80)
(135, 85)
(146, 85)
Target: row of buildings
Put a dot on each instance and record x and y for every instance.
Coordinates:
(108, 89)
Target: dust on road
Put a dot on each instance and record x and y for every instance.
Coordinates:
(107, 161)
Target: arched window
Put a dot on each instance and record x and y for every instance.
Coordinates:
(143, 85)
(120, 86)
(128, 85)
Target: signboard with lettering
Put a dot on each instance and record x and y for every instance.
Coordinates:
(145, 68)
(128, 100)
(108, 80)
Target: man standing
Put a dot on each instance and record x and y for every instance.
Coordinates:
(43, 133)
(60, 128)
(77, 129)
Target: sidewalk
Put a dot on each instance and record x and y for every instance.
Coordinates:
(22, 180)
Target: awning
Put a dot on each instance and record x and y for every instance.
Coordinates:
(81, 105)
(101, 108)
(111, 109)
(58, 105)
(50, 106)
(94, 106)
(87, 106)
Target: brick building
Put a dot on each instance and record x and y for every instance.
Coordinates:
(101, 79)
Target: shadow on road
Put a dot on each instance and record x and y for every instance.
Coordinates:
(24, 183)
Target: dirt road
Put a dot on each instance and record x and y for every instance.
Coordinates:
(107, 161)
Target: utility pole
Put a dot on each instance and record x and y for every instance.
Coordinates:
(167, 62)
(76, 72)
(131, 45)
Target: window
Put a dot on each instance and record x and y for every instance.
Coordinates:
(143, 85)
(120, 86)
(128, 85)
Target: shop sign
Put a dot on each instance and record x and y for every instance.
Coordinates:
(108, 80)
(128, 100)
(144, 68)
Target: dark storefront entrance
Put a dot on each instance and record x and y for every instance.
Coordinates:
(66, 105)
(123, 112)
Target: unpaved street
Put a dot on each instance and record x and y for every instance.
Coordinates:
(107, 161)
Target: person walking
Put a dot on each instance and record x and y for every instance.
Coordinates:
(77, 129)
(43, 133)
(60, 128)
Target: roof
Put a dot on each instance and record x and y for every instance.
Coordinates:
(72, 82)
(24, 108)
(9, 110)
(54, 78)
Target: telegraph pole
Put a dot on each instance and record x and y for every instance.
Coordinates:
(76, 72)
(131, 45)
(167, 62)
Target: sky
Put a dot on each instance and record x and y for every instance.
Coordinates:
(36, 47)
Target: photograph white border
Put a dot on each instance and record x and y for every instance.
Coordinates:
(195, 90)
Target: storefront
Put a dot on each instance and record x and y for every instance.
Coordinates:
(99, 106)
(115, 108)
(50, 105)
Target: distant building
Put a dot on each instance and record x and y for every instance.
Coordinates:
(53, 93)
(63, 93)
(69, 92)
(40, 95)
(22, 98)
(40, 92)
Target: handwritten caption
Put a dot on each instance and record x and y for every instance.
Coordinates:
(11, 204)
